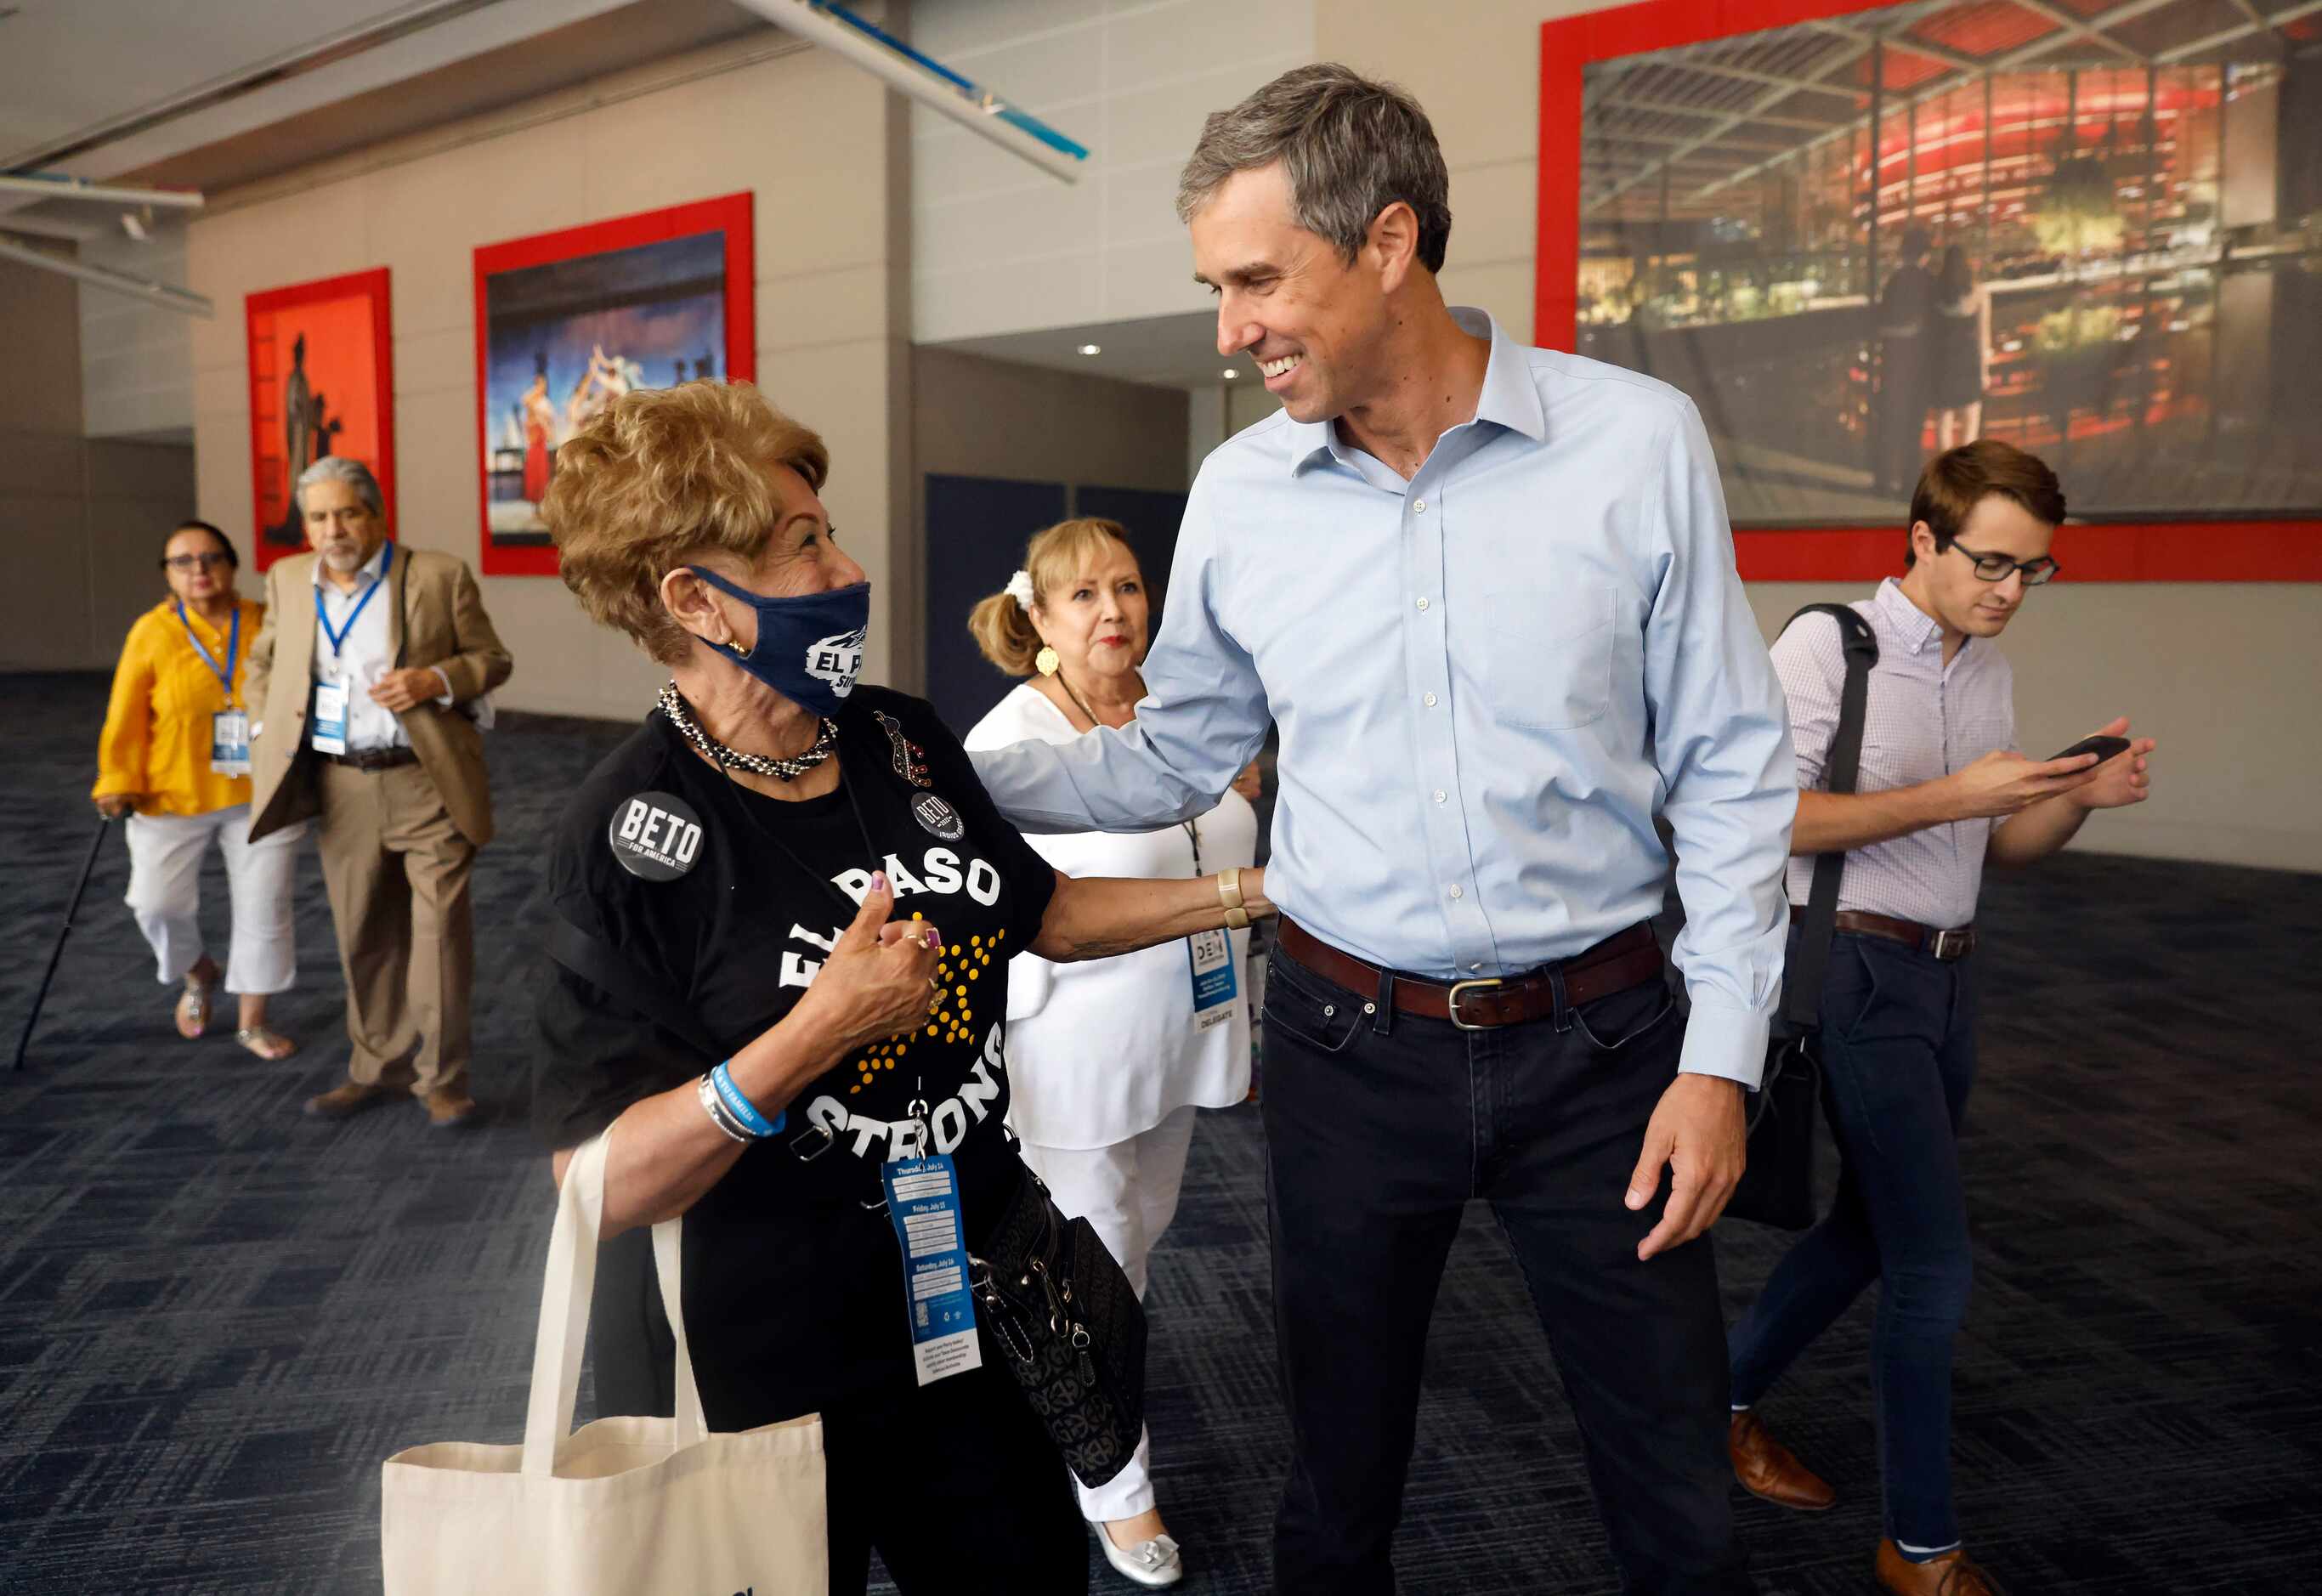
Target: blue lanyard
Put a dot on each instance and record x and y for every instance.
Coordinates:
(338, 638)
(232, 648)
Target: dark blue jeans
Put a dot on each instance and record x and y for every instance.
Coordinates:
(1898, 1055)
(1379, 1130)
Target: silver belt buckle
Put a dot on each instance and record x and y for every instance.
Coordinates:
(1951, 944)
(1459, 987)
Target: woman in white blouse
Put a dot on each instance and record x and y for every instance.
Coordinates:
(1108, 1058)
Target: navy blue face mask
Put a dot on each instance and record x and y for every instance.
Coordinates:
(809, 648)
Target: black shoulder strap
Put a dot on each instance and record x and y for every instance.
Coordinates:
(1802, 982)
(594, 961)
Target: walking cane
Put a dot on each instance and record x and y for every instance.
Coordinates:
(63, 931)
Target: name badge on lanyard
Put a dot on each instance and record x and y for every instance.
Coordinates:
(230, 742)
(328, 732)
(923, 1202)
(1215, 986)
(230, 727)
(1210, 955)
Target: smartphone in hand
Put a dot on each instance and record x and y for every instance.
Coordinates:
(2104, 748)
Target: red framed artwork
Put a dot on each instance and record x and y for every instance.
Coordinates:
(322, 381)
(1856, 233)
(567, 322)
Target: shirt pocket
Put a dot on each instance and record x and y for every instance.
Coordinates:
(1548, 657)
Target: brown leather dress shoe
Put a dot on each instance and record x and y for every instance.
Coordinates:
(1766, 1469)
(1951, 1574)
(448, 1105)
(340, 1101)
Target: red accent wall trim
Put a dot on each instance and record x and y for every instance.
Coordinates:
(374, 285)
(2281, 550)
(730, 213)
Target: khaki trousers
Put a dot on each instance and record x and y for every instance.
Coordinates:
(397, 868)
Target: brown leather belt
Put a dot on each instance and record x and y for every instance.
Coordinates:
(1627, 959)
(1948, 945)
(375, 759)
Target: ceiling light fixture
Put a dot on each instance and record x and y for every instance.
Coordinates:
(1229, 374)
(1091, 349)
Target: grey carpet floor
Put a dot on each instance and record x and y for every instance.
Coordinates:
(217, 1319)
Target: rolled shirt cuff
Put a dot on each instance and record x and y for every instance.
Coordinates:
(1726, 1042)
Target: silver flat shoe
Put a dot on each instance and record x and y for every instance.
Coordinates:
(1152, 1563)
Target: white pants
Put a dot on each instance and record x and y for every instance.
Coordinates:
(165, 894)
(1128, 1192)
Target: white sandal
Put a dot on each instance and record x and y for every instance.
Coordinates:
(197, 994)
(257, 1038)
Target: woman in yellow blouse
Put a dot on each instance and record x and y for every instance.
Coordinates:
(175, 758)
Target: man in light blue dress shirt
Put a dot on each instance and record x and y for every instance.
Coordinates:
(1488, 593)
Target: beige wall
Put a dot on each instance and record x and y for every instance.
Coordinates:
(81, 520)
(2224, 676)
(137, 367)
(818, 142)
(977, 418)
(1002, 247)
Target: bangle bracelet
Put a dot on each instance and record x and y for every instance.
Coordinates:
(745, 1112)
(1229, 895)
(716, 1109)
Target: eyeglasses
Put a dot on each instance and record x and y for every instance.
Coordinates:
(191, 563)
(1994, 568)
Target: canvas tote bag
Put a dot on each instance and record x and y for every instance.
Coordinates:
(622, 1507)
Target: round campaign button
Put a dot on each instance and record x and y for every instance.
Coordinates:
(939, 818)
(655, 836)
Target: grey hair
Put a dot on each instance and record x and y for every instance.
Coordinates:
(336, 468)
(1351, 147)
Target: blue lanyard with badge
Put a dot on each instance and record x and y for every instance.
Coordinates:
(1210, 955)
(920, 1192)
(229, 726)
(923, 1202)
(329, 734)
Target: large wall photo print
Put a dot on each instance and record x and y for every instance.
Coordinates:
(322, 381)
(1858, 233)
(567, 322)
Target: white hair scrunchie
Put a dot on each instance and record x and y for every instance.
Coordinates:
(1019, 589)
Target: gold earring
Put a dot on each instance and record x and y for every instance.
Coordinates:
(1046, 660)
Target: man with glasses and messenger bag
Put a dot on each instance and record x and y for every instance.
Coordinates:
(1941, 792)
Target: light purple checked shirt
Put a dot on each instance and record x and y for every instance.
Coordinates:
(1923, 720)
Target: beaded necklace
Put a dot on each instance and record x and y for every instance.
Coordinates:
(672, 703)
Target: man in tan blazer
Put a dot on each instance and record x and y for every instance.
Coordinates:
(362, 685)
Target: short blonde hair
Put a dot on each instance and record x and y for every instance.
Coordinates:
(660, 477)
(1002, 627)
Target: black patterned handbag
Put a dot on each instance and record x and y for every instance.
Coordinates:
(1064, 1320)
(1776, 1185)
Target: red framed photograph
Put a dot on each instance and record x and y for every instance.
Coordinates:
(1855, 233)
(322, 381)
(567, 322)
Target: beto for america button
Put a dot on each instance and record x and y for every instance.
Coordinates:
(939, 818)
(655, 836)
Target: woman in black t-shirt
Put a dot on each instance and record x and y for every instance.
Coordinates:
(804, 878)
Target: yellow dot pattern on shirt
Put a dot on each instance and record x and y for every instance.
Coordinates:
(950, 1018)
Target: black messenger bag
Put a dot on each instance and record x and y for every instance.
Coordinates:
(1777, 1187)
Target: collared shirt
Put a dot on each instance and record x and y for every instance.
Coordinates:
(1489, 678)
(1922, 719)
(156, 742)
(364, 654)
